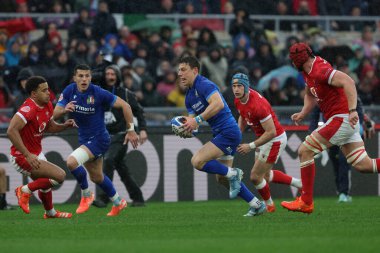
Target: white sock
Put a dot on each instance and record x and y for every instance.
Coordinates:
(51, 212)
(26, 189)
(86, 192)
(231, 172)
(269, 201)
(116, 199)
(255, 202)
(296, 182)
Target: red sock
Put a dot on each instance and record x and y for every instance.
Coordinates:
(307, 178)
(377, 160)
(265, 191)
(280, 177)
(40, 184)
(47, 199)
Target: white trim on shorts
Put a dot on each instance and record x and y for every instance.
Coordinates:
(17, 167)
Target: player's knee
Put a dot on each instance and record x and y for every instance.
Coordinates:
(197, 163)
(61, 177)
(305, 153)
(71, 163)
(255, 178)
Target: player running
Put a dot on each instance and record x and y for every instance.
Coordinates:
(204, 102)
(87, 102)
(256, 112)
(25, 131)
(335, 93)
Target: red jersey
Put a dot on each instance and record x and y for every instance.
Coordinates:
(332, 100)
(36, 119)
(257, 110)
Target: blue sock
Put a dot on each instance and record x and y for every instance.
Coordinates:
(245, 193)
(107, 187)
(81, 175)
(215, 167)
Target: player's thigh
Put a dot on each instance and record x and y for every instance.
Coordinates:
(48, 170)
(208, 152)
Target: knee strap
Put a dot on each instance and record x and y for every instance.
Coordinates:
(80, 155)
(314, 144)
(356, 155)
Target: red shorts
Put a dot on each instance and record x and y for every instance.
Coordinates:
(21, 164)
(271, 151)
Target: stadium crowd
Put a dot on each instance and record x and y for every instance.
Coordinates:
(148, 58)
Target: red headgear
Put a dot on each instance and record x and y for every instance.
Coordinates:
(299, 53)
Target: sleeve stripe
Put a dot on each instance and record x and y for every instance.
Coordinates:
(22, 117)
(114, 100)
(212, 93)
(331, 76)
(266, 118)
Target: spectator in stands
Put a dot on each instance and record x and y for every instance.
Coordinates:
(369, 83)
(265, 57)
(22, 77)
(167, 7)
(274, 94)
(104, 22)
(58, 8)
(168, 84)
(80, 55)
(366, 41)
(242, 41)
(6, 97)
(65, 65)
(305, 8)
(163, 68)
(207, 38)
(177, 96)
(215, 67)
(240, 58)
(255, 74)
(3, 40)
(228, 8)
(82, 27)
(241, 24)
(166, 34)
(33, 56)
(13, 52)
(3, 189)
(150, 97)
(283, 8)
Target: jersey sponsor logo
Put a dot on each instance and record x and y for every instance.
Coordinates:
(84, 110)
(90, 100)
(60, 97)
(198, 106)
(25, 109)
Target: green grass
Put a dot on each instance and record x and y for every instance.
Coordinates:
(212, 226)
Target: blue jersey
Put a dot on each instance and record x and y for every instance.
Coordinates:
(196, 103)
(89, 109)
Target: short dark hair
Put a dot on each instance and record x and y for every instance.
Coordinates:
(191, 60)
(33, 82)
(81, 67)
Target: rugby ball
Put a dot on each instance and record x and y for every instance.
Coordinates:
(176, 123)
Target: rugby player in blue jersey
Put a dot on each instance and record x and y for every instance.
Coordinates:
(87, 102)
(204, 102)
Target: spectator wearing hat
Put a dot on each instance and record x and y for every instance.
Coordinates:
(22, 77)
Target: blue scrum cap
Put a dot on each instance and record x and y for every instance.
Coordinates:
(242, 79)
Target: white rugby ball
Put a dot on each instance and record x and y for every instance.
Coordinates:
(176, 123)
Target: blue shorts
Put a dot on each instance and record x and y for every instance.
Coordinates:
(98, 144)
(227, 140)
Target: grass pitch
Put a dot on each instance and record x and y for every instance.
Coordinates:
(212, 226)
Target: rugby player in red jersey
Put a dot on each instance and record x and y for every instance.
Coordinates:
(335, 93)
(25, 131)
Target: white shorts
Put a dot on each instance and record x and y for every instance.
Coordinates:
(270, 152)
(337, 130)
(21, 164)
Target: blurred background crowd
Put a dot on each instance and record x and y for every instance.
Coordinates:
(89, 31)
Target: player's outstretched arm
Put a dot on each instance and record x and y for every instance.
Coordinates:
(60, 110)
(13, 133)
(128, 116)
(54, 127)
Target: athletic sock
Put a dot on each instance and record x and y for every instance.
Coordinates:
(279, 177)
(107, 187)
(307, 177)
(38, 184)
(215, 167)
(263, 189)
(81, 176)
(46, 197)
(376, 165)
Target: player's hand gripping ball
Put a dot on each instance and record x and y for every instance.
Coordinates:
(176, 123)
